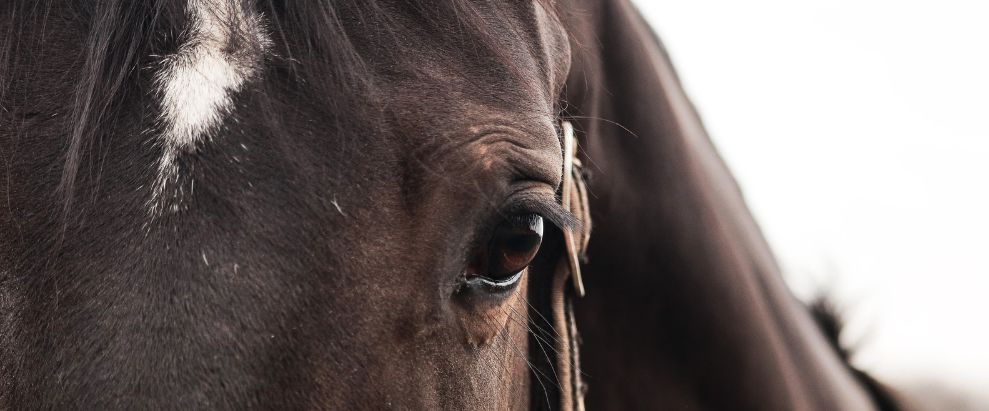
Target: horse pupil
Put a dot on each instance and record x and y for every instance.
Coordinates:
(522, 243)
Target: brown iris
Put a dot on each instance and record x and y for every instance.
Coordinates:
(513, 245)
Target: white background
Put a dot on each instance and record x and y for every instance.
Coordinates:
(859, 131)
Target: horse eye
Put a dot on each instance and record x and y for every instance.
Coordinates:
(512, 247)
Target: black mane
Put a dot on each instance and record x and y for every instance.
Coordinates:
(829, 319)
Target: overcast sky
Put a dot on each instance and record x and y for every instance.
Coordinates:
(859, 131)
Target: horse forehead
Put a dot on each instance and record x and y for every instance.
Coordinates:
(227, 42)
(527, 61)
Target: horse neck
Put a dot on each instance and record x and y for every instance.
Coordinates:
(679, 273)
(685, 254)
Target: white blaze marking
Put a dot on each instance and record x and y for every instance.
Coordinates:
(226, 41)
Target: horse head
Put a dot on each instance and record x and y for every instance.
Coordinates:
(376, 204)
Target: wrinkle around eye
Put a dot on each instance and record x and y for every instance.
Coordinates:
(523, 163)
(531, 151)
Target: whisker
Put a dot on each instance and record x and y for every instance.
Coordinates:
(535, 370)
(548, 323)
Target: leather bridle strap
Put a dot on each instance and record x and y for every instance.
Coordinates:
(567, 279)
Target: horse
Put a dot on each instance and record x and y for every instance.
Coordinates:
(382, 204)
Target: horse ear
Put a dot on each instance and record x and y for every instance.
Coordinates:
(685, 306)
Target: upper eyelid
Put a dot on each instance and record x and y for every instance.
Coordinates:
(528, 202)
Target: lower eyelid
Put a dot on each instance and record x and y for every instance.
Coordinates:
(502, 284)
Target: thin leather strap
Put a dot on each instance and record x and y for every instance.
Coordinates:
(567, 279)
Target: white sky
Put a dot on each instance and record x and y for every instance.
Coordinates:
(859, 131)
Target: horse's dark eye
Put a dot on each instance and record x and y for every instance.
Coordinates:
(514, 244)
(512, 247)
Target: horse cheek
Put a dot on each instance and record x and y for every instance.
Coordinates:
(484, 318)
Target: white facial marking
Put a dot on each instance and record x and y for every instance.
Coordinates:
(225, 43)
